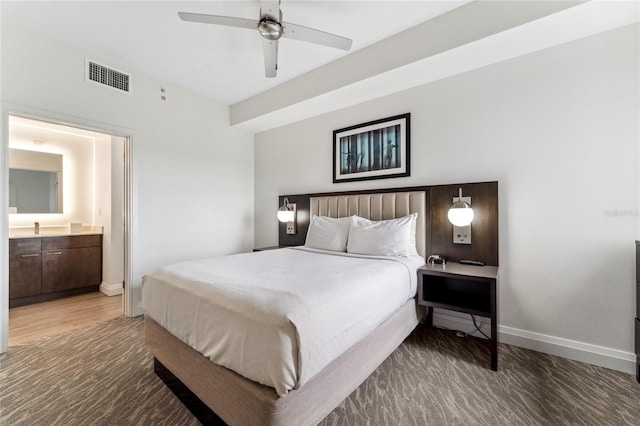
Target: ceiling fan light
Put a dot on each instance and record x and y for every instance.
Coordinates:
(270, 29)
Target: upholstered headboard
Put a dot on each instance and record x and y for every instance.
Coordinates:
(376, 207)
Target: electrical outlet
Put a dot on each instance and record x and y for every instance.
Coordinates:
(462, 234)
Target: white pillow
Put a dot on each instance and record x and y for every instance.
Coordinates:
(328, 233)
(414, 220)
(394, 237)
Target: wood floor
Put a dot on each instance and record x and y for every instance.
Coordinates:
(33, 322)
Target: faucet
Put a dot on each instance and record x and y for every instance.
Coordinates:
(36, 227)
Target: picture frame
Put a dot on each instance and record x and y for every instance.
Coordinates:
(377, 149)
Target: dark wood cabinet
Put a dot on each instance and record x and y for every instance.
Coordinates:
(637, 321)
(71, 262)
(66, 269)
(25, 268)
(51, 267)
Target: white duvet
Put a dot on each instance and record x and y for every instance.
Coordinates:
(278, 317)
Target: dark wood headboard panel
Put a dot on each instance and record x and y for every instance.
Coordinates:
(303, 219)
(484, 229)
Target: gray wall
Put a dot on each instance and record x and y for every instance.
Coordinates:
(559, 130)
(188, 165)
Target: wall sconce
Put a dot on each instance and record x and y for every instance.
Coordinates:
(287, 214)
(461, 215)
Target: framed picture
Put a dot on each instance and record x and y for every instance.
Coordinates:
(374, 150)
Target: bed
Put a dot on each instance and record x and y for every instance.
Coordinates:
(327, 346)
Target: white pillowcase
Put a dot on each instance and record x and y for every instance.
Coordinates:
(328, 233)
(394, 237)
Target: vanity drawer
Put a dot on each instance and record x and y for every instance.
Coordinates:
(66, 269)
(21, 245)
(75, 241)
(24, 274)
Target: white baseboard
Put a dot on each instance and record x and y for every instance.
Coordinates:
(111, 289)
(571, 349)
(585, 352)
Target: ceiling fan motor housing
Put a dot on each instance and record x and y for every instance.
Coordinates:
(270, 28)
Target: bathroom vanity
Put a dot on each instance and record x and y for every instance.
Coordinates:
(47, 267)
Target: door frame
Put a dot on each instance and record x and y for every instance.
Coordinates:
(128, 205)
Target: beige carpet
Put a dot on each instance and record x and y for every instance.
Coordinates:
(103, 375)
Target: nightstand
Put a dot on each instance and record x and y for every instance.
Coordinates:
(268, 248)
(463, 288)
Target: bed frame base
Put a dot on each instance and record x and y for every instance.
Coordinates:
(240, 401)
(199, 409)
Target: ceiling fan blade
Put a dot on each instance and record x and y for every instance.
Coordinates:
(270, 8)
(298, 32)
(229, 21)
(270, 48)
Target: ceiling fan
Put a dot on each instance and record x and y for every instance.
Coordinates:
(272, 28)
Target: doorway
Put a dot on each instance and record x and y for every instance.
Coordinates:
(93, 194)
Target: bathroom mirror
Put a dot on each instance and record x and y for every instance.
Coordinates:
(35, 182)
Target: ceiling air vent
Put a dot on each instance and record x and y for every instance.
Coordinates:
(110, 77)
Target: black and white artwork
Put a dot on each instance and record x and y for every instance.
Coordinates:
(374, 150)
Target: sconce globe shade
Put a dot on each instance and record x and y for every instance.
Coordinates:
(460, 214)
(285, 215)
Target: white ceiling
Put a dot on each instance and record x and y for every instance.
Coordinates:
(222, 63)
(226, 64)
